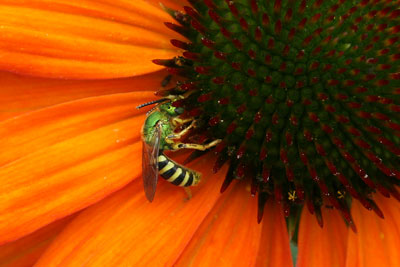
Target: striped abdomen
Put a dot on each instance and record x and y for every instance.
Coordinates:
(176, 173)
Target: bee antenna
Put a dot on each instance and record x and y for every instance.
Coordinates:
(152, 102)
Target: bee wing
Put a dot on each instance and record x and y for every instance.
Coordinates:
(150, 163)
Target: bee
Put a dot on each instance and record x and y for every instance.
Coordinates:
(158, 135)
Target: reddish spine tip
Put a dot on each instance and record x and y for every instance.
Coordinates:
(226, 33)
(263, 154)
(252, 54)
(224, 101)
(238, 44)
(205, 97)
(240, 152)
(214, 121)
(159, 62)
(240, 171)
(265, 20)
(242, 108)
(266, 174)
(251, 72)
(207, 42)
(254, 187)
(278, 27)
(249, 134)
(300, 55)
(191, 12)
(286, 50)
(243, 24)
(307, 40)
(175, 28)
(233, 8)
(253, 92)
(258, 34)
(209, 4)
(301, 24)
(254, 6)
(231, 128)
(289, 14)
(214, 16)
(180, 44)
(316, 17)
(218, 80)
(271, 43)
(236, 65)
(191, 55)
(277, 6)
(198, 27)
(202, 69)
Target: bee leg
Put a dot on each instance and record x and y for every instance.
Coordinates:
(177, 146)
(166, 80)
(181, 133)
(188, 192)
(178, 97)
(178, 121)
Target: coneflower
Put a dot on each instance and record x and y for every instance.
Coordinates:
(303, 94)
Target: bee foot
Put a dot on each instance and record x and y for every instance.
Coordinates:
(188, 192)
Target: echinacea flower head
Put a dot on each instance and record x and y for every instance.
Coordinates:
(301, 99)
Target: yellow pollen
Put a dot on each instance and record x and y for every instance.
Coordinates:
(292, 195)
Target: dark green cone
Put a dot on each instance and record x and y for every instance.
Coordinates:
(304, 96)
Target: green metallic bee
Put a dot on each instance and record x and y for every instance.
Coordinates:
(158, 135)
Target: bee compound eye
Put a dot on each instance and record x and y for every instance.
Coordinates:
(179, 111)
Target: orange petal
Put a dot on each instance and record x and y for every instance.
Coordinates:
(230, 234)
(322, 246)
(21, 94)
(27, 250)
(64, 158)
(127, 230)
(377, 242)
(274, 245)
(34, 131)
(84, 40)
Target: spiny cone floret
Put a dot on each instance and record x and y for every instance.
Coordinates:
(304, 94)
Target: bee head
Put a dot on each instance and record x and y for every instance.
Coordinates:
(170, 110)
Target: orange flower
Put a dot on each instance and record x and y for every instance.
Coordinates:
(70, 163)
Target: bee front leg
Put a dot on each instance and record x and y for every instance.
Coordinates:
(177, 146)
(183, 132)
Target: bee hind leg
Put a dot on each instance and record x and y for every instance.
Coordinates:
(188, 193)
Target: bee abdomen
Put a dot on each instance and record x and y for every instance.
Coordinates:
(176, 173)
